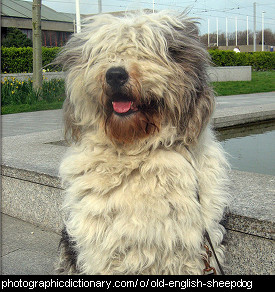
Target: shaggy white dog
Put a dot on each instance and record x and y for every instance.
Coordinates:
(145, 176)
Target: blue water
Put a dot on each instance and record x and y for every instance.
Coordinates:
(250, 148)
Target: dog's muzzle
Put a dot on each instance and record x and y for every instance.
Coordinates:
(123, 104)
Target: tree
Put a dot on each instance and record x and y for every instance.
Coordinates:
(15, 38)
(37, 45)
(269, 37)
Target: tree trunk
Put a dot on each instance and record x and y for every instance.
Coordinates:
(37, 45)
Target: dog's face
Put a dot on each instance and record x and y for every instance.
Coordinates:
(131, 77)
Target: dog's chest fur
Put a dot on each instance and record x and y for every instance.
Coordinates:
(134, 214)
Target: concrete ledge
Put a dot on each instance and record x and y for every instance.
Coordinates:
(31, 176)
(252, 204)
(230, 73)
(32, 202)
(243, 115)
(216, 74)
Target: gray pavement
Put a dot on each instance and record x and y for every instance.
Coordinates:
(28, 249)
(26, 123)
(244, 100)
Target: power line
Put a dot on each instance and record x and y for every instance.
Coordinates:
(207, 11)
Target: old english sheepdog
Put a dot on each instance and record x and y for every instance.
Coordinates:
(144, 176)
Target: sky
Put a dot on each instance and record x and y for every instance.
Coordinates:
(215, 10)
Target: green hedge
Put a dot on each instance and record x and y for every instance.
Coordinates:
(48, 55)
(18, 60)
(259, 61)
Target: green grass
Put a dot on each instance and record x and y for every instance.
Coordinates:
(261, 82)
(39, 106)
(18, 96)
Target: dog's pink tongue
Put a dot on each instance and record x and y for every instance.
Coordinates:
(121, 106)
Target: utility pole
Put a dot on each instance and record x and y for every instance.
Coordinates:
(263, 30)
(217, 22)
(37, 44)
(208, 32)
(236, 33)
(99, 6)
(247, 32)
(226, 32)
(254, 30)
(77, 12)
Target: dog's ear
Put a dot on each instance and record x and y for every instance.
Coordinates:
(190, 55)
(198, 115)
(72, 129)
(184, 37)
(69, 58)
(198, 99)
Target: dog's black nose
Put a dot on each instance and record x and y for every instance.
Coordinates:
(116, 76)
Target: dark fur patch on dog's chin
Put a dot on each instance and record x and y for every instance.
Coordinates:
(130, 112)
(132, 126)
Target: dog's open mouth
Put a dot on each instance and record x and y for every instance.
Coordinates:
(124, 107)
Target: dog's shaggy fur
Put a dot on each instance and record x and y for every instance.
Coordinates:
(145, 176)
